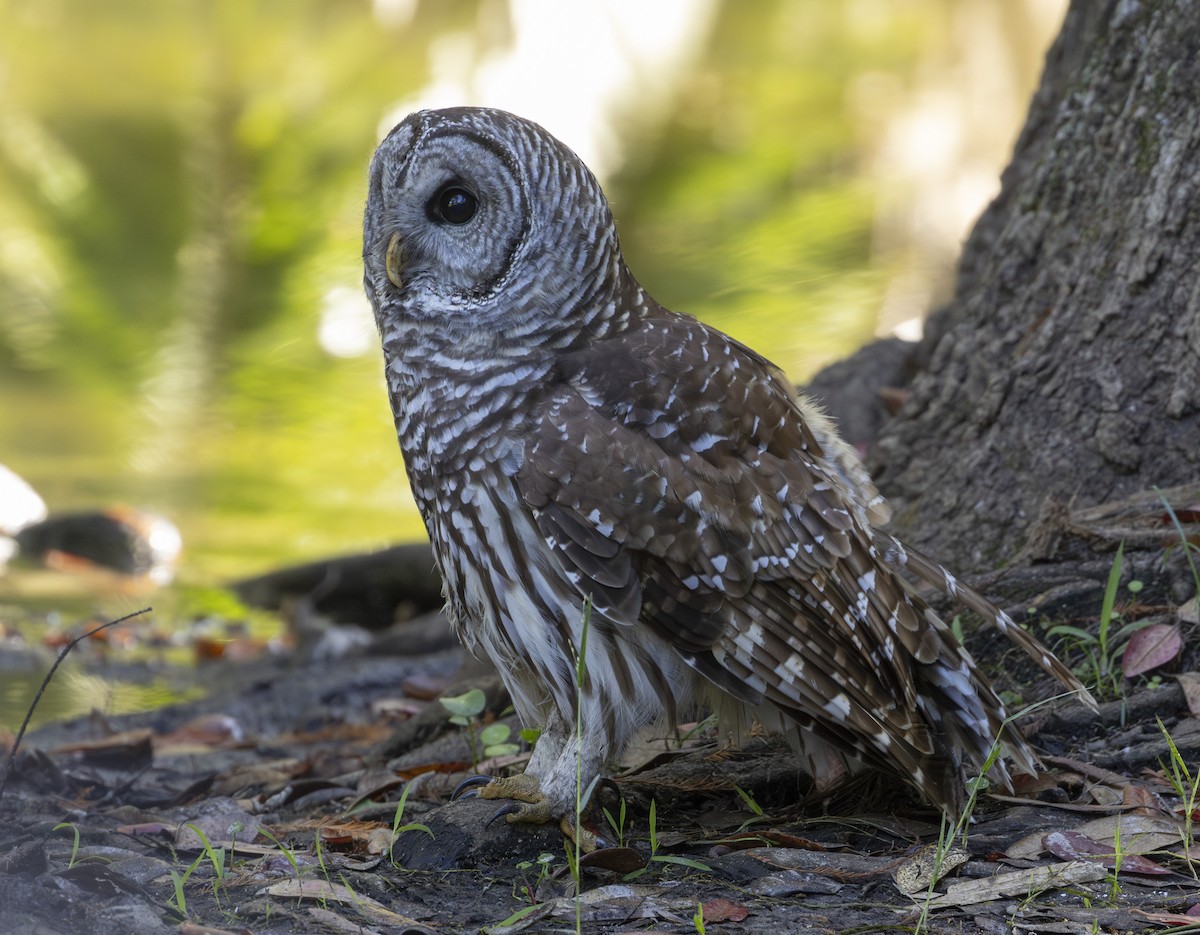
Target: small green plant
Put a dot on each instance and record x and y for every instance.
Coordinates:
(517, 916)
(1186, 785)
(698, 919)
(321, 863)
(1190, 548)
(180, 899)
(178, 881)
(398, 828)
(755, 809)
(233, 831)
(529, 887)
(617, 824)
(216, 856)
(485, 742)
(1114, 878)
(1102, 650)
(948, 834)
(75, 843)
(287, 852)
(656, 857)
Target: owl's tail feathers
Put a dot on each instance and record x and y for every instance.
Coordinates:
(930, 572)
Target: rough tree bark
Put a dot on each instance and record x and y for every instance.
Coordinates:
(1067, 367)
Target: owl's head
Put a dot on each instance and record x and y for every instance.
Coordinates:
(484, 224)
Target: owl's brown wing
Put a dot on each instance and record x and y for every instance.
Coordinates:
(724, 527)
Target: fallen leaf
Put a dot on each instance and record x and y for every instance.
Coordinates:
(1071, 845)
(1189, 612)
(1106, 795)
(191, 928)
(616, 859)
(128, 751)
(1150, 648)
(1140, 834)
(1184, 514)
(114, 742)
(379, 841)
(1170, 918)
(1047, 781)
(749, 839)
(325, 890)
(1019, 883)
(1190, 683)
(922, 870)
(1142, 798)
(396, 708)
(724, 910)
(148, 827)
(201, 733)
(336, 923)
(1029, 847)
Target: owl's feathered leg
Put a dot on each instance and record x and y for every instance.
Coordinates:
(548, 790)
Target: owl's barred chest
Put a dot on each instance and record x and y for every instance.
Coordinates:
(461, 426)
(456, 417)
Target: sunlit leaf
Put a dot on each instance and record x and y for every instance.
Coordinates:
(466, 705)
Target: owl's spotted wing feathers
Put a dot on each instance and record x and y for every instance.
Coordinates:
(566, 437)
(750, 555)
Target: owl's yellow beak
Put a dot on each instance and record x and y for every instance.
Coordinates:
(394, 260)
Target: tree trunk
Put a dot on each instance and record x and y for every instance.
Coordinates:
(1066, 370)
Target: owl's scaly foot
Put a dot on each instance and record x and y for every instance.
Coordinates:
(529, 804)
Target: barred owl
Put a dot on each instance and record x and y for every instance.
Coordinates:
(567, 438)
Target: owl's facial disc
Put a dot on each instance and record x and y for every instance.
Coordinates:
(455, 214)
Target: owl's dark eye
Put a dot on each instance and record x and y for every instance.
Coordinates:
(454, 205)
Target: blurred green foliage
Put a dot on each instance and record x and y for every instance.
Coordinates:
(181, 184)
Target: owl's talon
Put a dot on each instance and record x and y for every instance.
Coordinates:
(521, 788)
(466, 789)
(587, 840)
(508, 808)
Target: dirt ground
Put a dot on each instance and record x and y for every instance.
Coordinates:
(269, 806)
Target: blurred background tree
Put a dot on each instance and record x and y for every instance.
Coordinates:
(180, 204)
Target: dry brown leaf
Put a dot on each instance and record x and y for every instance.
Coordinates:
(724, 910)
(918, 873)
(126, 740)
(379, 841)
(1151, 648)
(269, 775)
(1166, 918)
(1033, 785)
(1140, 834)
(337, 892)
(207, 730)
(337, 923)
(1106, 795)
(1029, 847)
(191, 928)
(1019, 883)
(1143, 799)
(617, 859)
(397, 709)
(1071, 845)
(1190, 683)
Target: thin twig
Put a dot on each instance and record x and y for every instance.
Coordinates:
(12, 754)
